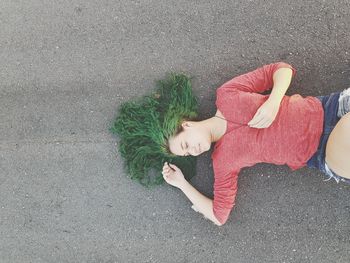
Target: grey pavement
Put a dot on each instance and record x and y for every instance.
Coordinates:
(65, 66)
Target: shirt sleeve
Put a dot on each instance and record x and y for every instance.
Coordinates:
(258, 80)
(225, 190)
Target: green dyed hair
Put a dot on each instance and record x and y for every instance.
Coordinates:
(145, 125)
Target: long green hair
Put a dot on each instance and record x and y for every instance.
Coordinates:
(145, 125)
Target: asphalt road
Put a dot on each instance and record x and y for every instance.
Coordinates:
(65, 66)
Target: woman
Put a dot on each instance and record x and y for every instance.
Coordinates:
(250, 128)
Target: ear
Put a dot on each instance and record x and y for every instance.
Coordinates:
(186, 124)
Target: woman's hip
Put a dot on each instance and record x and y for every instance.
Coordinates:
(335, 106)
(337, 155)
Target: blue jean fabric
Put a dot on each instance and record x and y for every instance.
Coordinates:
(330, 105)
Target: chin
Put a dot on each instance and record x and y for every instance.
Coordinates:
(206, 147)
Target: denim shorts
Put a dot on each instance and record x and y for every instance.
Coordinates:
(335, 106)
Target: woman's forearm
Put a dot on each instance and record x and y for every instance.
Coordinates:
(281, 81)
(203, 204)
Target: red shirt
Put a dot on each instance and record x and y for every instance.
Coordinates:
(291, 139)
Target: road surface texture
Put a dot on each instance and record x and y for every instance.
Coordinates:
(65, 66)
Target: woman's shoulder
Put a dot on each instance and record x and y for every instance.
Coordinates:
(219, 113)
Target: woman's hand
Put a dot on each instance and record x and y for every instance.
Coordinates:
(265, 115)
(173, 177)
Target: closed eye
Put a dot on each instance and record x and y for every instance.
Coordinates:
(184, 148)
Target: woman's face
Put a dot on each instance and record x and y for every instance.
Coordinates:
(193, 140)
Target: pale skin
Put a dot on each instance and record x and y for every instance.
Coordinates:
(338, 147)
(198, 136)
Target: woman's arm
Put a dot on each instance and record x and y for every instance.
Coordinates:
(225, 189)
(267, 112)
(281, 81)
(258, 80)
(202, 204)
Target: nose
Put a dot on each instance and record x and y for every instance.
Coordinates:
(194, 150)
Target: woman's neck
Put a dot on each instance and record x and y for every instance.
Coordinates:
(216, 127)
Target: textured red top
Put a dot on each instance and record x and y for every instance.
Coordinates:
(291, 139)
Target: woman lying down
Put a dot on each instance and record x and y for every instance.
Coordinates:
(162, 132)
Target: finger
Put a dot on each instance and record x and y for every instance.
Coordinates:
(172, 166)
(255, 119)
(194, 208)
(262, 123)
(258, 121)
(266, 124)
